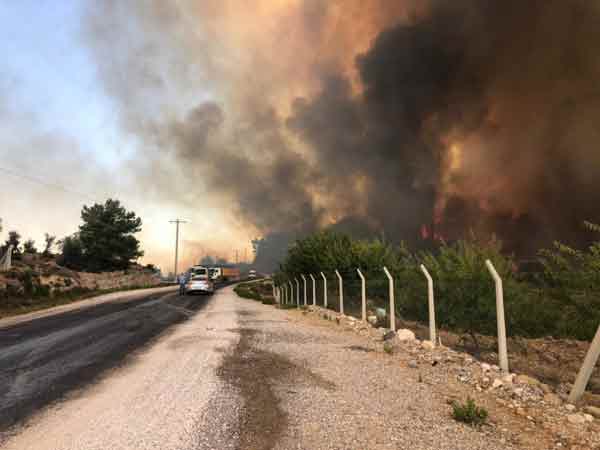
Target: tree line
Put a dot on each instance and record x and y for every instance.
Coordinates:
(105, 240)
(559, 297)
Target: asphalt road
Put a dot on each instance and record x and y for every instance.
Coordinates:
(43, 359)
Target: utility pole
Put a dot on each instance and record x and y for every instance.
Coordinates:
(176, 222)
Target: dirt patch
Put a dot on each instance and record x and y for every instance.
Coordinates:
(553, 361)
(254, 373)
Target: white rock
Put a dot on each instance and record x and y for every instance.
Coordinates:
(486, 367)
(508, 379)
(588, 417)
(405, 335)
(570, 407)
(412, 364)
(576, 418)
(427, 345)
(593, 410)
(497, 383)
(524, 379)
(552, 399)
(518, 392)
(372, 320)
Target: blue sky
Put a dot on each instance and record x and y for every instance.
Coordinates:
(51, 76)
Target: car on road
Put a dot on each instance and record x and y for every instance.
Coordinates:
(199, 285)
(199, 281)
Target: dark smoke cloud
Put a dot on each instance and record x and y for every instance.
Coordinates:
(518, 79)
(474, 114)
(269, 191)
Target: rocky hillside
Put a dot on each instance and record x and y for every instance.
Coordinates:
(34, 280)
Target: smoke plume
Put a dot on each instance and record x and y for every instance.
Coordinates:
(405, 118)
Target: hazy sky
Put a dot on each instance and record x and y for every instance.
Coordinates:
(59, 126)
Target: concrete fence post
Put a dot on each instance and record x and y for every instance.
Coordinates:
(583, 377)
(297, 293)
(392, 300)
(341, 286)
(502, 352)
(363, 293)
(324, 290)
(430, 301)
(314, 289)
(304, 279)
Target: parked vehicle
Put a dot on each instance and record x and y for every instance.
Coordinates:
(199, 281)
(215, 273)
(230, 273)
(252, 273)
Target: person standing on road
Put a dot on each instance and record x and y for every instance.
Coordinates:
(181, 284)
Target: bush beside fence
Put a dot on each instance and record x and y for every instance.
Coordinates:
(561, 300)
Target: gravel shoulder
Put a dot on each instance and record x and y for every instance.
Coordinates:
(309, 386)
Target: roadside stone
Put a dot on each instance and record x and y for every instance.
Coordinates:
(518, 392)
(545, 388)
(570, 407)
(486, 367)
(372, 320)
(405, 335)
(497, 383)
(413, 364)
(427, 345)
(524, 379)
(552, 399)
(588, 417)
(593, 411)
(576, 419)
(508, 379)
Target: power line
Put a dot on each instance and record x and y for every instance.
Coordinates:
(45, 183)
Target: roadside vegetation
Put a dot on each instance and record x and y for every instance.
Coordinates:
(561, 298)
(46, 275)
(261, 291)
(469, 413)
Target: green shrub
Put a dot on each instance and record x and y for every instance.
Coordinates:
(465, 293)
(388, 347)
(570, 283)
(469, 412)
(563, 301)
(247, 290)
